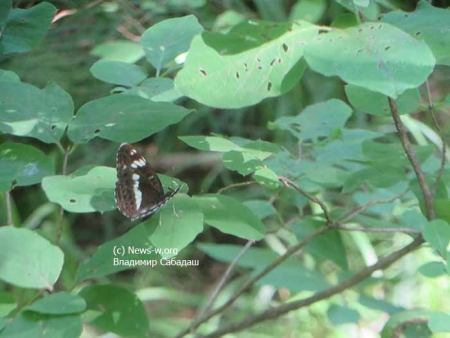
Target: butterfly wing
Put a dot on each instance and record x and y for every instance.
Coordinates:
(139, 191)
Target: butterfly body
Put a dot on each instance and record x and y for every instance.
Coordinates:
(139, 192)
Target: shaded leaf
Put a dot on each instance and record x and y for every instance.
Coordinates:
(117, 72)
(59, 303)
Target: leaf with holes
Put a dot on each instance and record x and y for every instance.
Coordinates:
(230, 216)
(169, 38)
(157, 89)
(25, 28)
(22, 165)
(267, 70)
(28, 111)
(390, 59)
(123, 118)
(317, 120)
(427, 23)
(91, 192)
(28, 260)
(376, 104)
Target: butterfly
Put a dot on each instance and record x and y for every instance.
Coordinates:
(139, 192)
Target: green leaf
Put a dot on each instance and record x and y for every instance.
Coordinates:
(211, 143)
(442, 208)
(230, 216)
(8, 76)
(394, 154)
(104, 261)
(378, 176)
(60, 303)
(262, 209)
(91, 192)
(432, 269)
(211, 77)
(167, 39)
(379, 305)
(317, 120)
(22, 165)
(437, 234)
(28, 111)
(267, 177)
(157, 89)
(30, 324)
(123, 118)
(25, 28)
(117, 72)
(390, 59)
(308, 10)
(376, 104)
(290, 274)
(427, 23)
(28, 260)
(439, 322)
(184, 214)
(5, 8)
(409, 319)
(329, 245)
(7, 304)
(243, 162)
(115, 309)
(119, 50)
(339, 315)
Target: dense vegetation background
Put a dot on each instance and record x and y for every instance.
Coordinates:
(311, 139)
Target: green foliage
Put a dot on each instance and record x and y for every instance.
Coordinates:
(288, 135)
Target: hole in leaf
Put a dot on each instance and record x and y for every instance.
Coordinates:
(360, 50)
(53, 127)
(202, 71)
(406, 15)
(418, 33)
(285, 47)
(96, 131)
(245, 66)
(72, 200)
(387, 47)
(360, 30)
(279, 60)
(272, 62)
(269, 86)
(257, 59)
(259, 67)
(237, 75)
(372, 27)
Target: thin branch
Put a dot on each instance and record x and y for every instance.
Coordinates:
(370, 229)
(348, 216)
(288, 182)
(276, 312)
(427, 194)
(61, 212)
(9, 220)
(289, 252)
(235, 185)
(444, 148)
(224, 278)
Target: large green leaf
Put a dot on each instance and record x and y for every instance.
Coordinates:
(28, 111)
(60, 303)
(115, 309)
(338, 315)
(25, 28)
(390, 60)
(252, 62)
(376, 104)
(167, 39)
(119, 50)
(22, 165)
(437, 234)
(30, 324)
(5, 8)
(317, 120)
(117, 72)
(427, 23)
(157, 89)
(28, 260)
(230, 216)
(439, 322)
(91, 192)
(123, 118)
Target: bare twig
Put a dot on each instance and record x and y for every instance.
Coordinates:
(288, 182)
(427, 194)
(370, 229)
(9, 220)
(444, 148)
(276, 312)
(289, 252)
(348, 216)
(224, 278)
(235, 185)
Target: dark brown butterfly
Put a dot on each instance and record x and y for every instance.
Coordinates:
(139, 192)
